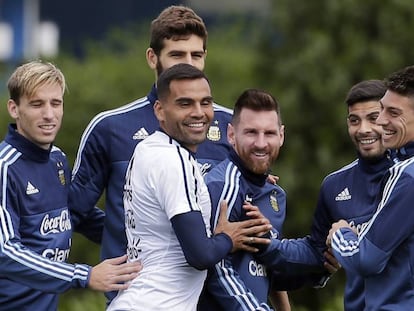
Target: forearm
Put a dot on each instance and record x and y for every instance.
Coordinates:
(33, 270)
(200, 251)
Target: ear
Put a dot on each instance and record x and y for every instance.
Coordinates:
(282, 135)
(230, 134)
(12, 108)
(152, 59)
(158, 110)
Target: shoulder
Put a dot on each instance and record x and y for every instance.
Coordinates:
(8, 154)
(131, 110)
(222, 114)
(278, 189)
(159, 148)
(406, 167)
(343, 171)
(221, 109)
(57, 151)
(224, 170)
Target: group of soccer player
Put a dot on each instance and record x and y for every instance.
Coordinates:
(188, 197)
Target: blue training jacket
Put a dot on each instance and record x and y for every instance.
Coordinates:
(383, 252)
(349, 193)
(240, 282)
(106, 147)
(35, 226)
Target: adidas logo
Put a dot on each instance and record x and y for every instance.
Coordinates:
(31, 189)
(344, 195)
(141, 134)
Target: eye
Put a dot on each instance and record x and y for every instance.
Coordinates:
(198, 55)
(207, 102)
(354, 121)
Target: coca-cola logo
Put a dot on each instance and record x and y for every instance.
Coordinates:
(56, 224)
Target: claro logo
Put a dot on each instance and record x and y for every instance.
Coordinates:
(56, 224)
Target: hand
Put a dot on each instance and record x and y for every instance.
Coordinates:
(254, 212)
(243, 233)
(335, 226)
(331, 264)
(112, 274)
(273, 179)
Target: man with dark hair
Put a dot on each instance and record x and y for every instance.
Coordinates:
(167, 204)
(382, 251)
(348, 193)
(178, 35)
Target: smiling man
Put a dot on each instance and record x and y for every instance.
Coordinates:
(177, 35)
(167, 204)
(382, 252)
(35, 223)
(256, 133)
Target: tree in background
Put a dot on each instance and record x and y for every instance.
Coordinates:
(316, 50)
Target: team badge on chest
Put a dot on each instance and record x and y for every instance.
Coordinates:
(61, 173)
(214, 133)
(273, 201)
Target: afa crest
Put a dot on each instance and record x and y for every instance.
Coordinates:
(214, 133)
(273, 201)
(62, 179)
(61, 173)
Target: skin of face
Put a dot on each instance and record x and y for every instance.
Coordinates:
(257, 139)
(187, 112)
(396, 119)
(39, 117)
(363, 130)
(188, 50)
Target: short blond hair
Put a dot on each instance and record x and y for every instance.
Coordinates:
(27, 78)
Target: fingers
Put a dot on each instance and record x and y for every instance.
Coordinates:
(250, 244)
(121, 278)
(127, 268)
(255, 222)
(257, 228)
(273, 179)
(116, 260)
(223, 210)
(256, 240)
(331, 263)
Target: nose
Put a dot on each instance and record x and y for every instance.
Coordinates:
(197, 110)
(188, 59)
(365, 126)
(260, 141)
(48, 111)
(381, 120)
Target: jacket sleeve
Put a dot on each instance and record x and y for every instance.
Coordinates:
(292, 256)
(90, 226)
(299, 262)
(89, 178)
(200, 251)
(21, 264)
(369, 253)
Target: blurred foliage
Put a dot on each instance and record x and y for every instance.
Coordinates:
(307, 53)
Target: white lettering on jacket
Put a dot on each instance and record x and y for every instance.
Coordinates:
(56, 254)
(56, 224)
(257, 269)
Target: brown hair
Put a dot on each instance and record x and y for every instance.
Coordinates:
(176, 22)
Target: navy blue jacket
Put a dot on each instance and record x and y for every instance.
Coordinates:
(35, 226)
(240, 282)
